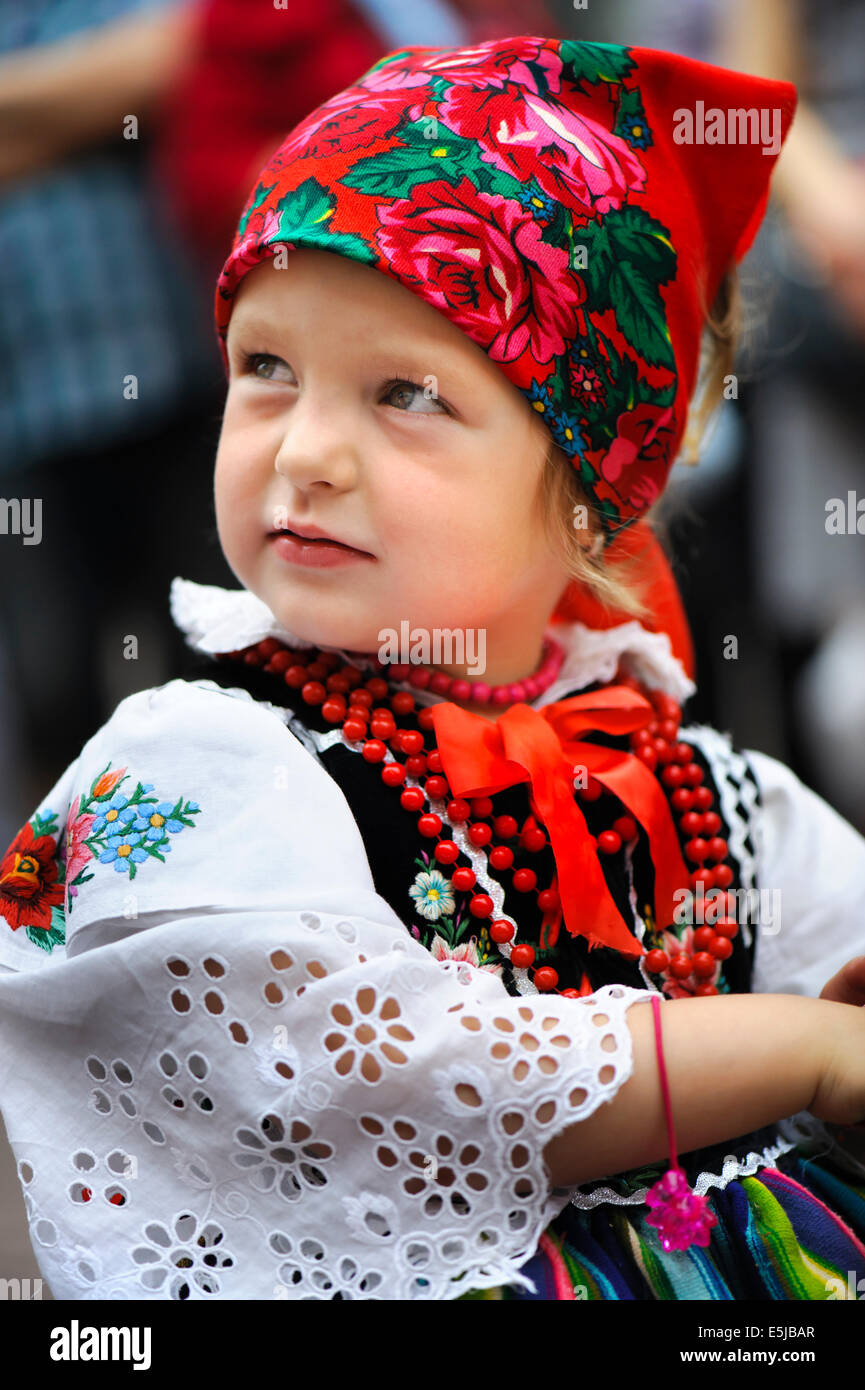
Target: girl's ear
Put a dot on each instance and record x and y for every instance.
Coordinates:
(660, 593)
(592, 542)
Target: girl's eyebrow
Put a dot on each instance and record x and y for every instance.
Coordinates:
(408, 354)
(251, 321)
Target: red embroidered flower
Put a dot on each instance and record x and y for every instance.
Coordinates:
(482, 257)
(642, 439)
(28, 881)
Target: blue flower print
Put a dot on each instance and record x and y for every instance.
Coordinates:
(536, 202)
(567, 436)
(122, 849)
(539, 398)
(117, 815)
(126, 830)
(160, 819)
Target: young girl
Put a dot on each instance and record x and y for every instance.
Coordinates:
(319, 966)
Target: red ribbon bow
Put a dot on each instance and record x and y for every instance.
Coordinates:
(542, 747)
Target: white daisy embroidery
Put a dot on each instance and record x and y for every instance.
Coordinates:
(433, 895)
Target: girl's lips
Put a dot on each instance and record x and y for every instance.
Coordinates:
(315, 554)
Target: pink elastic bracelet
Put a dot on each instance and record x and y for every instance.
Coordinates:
(681, 1216)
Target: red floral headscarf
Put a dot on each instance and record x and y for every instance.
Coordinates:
(571, 207)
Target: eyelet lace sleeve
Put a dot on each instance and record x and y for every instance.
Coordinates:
(285, 1097)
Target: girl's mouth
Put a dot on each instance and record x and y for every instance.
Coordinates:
(315, 554)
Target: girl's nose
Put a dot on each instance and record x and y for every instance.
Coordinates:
(306, 468)
(315, 449)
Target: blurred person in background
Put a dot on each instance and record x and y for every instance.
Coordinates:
(808, 416)
(96, 293)
(108, 372)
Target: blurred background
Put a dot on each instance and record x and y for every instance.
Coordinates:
(130, 134)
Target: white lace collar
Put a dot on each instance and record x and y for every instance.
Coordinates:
(214, 619)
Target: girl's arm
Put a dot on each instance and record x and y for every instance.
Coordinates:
(60, 97)
(821, 188)
(734, 1063)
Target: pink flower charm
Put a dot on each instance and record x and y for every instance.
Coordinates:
(682, 1218)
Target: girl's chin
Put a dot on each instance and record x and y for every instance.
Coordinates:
(323, 619)
(301, 622)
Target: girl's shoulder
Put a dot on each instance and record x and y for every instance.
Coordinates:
(189, 794)
(189, 722)
(206, 701)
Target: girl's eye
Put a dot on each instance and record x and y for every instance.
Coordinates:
(405, 385)
(252, 361)
(408, 385)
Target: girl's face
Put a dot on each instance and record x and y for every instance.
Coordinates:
(438, 488)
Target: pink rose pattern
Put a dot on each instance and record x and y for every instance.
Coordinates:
(499, 183)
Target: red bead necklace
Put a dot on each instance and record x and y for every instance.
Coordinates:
(457, 688)
(346, 698)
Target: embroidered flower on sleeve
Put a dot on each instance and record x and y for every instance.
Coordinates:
(124, 830)
(116, 815)
(124, 853)
(31, 890)
(152, 822)
(78, 853)
(44, 868)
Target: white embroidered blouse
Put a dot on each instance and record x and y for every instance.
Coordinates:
(227, 1068)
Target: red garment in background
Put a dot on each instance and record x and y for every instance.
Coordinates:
(255, 72)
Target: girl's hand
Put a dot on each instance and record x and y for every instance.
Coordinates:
(848, 986)
(839, 1099)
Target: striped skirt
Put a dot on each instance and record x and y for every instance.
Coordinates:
(792, 1231)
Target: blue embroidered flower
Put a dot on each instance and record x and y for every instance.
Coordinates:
(116, 815)
(123, 849)
(433, 895)
(159, 819)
